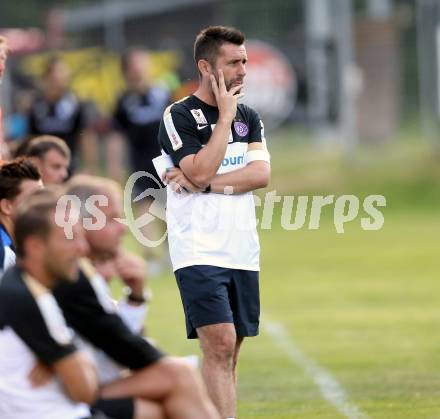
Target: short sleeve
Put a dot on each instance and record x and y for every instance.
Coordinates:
(178, 134)
(256, 127)
(41, 326)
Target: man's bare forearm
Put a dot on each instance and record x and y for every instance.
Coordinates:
(208, 160)
(254, 176)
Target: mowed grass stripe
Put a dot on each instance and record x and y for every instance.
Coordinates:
(329, 387)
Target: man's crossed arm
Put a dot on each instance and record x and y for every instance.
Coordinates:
(255, 175)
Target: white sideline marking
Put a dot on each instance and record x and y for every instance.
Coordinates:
(330, 389)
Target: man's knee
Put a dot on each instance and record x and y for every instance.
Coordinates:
(219, 347)
(179, 371)
(146, 409)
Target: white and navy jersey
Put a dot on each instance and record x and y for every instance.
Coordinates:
(32, 328)
(138, 116)
(210, 229)
(7, 253)
(90, 311)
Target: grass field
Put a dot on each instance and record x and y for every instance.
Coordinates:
(363, 305)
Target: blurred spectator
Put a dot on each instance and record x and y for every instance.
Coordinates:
(136, 120)
(52, 157)
(3, 56)
(57, 111)
(137, 117)
(18, 179)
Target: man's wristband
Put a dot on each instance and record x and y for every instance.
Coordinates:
(144, 298)
(136, 299)
(208, 189)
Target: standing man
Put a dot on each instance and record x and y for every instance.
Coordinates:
(136, 122)
(57, 111)
(3, 56)
(137, 117)
(218, 146)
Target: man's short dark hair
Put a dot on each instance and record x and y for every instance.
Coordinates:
(39, 146)
(13, 173)
(35, 217)
(210, 39)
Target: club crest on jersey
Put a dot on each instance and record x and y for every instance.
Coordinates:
(198, 116)
(241, 128)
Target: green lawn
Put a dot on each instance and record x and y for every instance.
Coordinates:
(364, 305)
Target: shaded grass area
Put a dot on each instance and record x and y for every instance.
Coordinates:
(406, 171)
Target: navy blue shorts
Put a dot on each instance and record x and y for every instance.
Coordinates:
(212, 295)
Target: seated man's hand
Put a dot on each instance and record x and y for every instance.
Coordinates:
(132, 270)
(106, 268)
